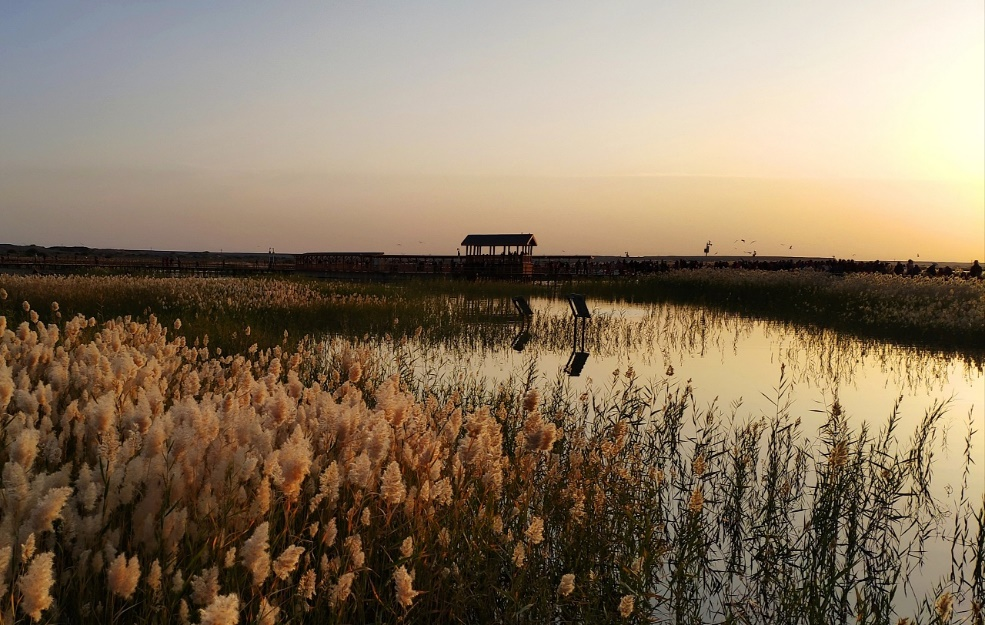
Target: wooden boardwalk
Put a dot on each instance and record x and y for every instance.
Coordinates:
(335, 265)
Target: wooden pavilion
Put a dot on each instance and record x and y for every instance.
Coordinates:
(506, 244)
(499, 255)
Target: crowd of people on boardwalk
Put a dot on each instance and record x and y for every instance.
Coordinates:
(547, 266)
(629, 266)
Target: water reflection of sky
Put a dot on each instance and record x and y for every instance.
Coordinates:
(734, 361)
(734, 365)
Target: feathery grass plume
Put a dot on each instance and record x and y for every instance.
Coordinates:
(205, 587)
(355, 371)
(35, 586)
(254, 554)
(407, 547)
(306, 585)
(25, 447)
(328, 487)
(354, 545)
(223, 611)
(5, 557)
(531, 400)
(6, 382)
(839, 453)
(519, 555)
(3, 294)
(359, 471)
(177, 324)
(329, 533)
(944, 606)
(123, 576)
(27, 548)
(392, 489)
(343, 588)
(268, 613)
(285, 564)
(404, 585)
(567, 584)
(535, 531)
(153, 578)
(295, 462)
(697, 501)
(261, 502)
(49, 509)
(539, 433)
(626, 605)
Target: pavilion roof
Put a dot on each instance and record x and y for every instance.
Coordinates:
(485, 240)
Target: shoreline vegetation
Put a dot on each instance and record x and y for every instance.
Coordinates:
(188, 450)
(946, 315)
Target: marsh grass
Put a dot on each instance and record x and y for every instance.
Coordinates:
(935, 314)
(929, 312)
(758, 522)
(147, 478)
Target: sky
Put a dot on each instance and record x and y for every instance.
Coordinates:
(848, 129)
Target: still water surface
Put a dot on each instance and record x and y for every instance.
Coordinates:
(734, 364)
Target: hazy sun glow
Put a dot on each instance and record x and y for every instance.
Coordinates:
(602, 128)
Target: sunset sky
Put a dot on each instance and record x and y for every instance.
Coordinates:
(837, 128)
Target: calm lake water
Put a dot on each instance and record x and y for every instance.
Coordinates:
(734, 364)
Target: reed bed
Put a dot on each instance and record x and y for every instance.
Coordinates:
(152, 475)
(149, 478)
(945, 315)
(934, 312)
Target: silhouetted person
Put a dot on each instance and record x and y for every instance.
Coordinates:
(975, 271)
